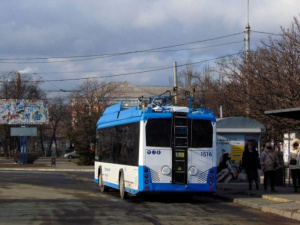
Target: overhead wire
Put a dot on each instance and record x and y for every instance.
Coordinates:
(144, 71)
(126, 74)
(93, 71)
(92, 57)
(55, 59)
(262, 32)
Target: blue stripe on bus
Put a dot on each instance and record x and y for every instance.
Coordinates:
(149, 187)
(182, 187)
(117, 115)
(163, 187)
(117, 122)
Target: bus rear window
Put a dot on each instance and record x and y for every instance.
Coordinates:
(201, 134)
(158, 132)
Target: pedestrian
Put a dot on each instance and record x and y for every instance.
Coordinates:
(269, 163)
(250, 162)
(280, 170)
(294, 163)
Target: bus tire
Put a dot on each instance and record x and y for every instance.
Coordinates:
(123, 194)
(102, 187)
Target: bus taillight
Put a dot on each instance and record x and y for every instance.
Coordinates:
(212, 171)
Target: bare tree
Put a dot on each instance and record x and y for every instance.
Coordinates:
(88, 104)
(272, 74)
(201, 84)
(20, 86)
(58, 110)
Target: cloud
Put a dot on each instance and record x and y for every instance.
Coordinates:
(27, 70)
(54, 28)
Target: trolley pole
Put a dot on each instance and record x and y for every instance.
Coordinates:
(175, 89)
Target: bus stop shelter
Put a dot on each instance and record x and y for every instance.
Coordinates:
(233, 133)
(290, 113)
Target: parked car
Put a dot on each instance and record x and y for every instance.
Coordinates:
(71, 155)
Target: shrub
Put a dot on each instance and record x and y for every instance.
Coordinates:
(31, 157)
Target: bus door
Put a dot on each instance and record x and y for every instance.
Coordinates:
(179, 148)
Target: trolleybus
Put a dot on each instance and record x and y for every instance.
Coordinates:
(156, 147)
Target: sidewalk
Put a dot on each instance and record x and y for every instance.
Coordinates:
(44, 164)
(284, 202)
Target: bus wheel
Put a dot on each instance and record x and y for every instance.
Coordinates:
(102, 187)
(123, 194)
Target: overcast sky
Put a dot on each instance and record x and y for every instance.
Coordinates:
(110, 38)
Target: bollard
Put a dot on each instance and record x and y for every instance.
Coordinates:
(53, 162)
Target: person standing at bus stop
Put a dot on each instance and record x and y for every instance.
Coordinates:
(269, 162)
(250, 162)
(294, 163)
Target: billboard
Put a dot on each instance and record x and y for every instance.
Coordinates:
(21, 111)
(230, 149)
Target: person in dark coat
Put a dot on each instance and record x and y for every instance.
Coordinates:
(250, 162)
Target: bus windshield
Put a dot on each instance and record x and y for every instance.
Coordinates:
(158, 133)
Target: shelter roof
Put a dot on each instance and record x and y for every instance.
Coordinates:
(239, 125)
(291, 113)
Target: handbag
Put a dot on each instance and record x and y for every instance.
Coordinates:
(293, 162)
(275, 164)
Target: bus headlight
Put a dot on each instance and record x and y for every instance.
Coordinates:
(165, 170)
(193, 171)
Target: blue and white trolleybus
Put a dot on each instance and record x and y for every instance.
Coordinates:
(156, 147)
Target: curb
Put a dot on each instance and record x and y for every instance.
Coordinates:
(277, 199)
(271, 204)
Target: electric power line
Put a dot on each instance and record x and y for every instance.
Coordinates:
(261, 32)
(92, 57)
(127, 74)
(139, 72)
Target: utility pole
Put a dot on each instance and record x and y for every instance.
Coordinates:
(247, 31)
(18, 84)
(247, 47)
(175, 89)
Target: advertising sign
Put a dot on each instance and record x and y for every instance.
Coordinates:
(20, 111)
(23, 131)
(230, 148)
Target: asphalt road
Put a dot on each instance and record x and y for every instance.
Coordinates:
(28, 197)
